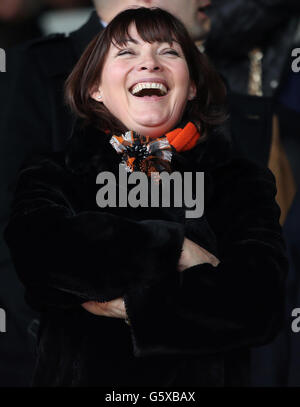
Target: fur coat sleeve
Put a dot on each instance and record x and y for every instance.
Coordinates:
(238, 304)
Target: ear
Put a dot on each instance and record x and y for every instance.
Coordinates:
(192, 91)
(96, 95)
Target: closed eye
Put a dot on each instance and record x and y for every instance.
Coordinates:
(130, 52)
(124, 52)
(172, 51)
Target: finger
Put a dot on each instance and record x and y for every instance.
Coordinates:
(117, 308)
(94, 308)
(114, 308)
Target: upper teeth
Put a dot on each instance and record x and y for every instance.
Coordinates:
(149, 85)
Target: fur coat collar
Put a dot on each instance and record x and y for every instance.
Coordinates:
(89, 150)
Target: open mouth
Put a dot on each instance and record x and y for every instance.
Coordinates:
(149, 89)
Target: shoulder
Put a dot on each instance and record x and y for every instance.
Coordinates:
(48, 166)
(51, 55)
(47, 40)
(244, 196)
(242, 169)
(242, 182)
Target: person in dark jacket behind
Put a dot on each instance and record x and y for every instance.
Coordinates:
(250, 43)
(196, 293)
(238, 27)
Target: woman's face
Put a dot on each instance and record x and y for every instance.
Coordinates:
(146, 86)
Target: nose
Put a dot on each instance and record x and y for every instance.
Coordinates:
(149, 63)
(150, 68)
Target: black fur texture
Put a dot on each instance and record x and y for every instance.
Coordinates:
(190, 328)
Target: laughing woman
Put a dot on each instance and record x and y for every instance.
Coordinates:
(140, 295)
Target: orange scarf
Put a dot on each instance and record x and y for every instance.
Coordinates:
(184, 139)
(140, 153)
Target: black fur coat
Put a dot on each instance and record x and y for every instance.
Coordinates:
(192, 328)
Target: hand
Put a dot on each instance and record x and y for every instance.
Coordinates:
(114, 308)
(193, 254)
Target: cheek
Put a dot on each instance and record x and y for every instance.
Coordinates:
(113, 87)
(182, 78)
(113, 78)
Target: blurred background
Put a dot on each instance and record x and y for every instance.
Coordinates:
(22, 20)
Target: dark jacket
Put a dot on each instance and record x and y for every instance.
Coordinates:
(239, 26)
(190, 328)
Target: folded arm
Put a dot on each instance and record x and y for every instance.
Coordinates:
(237, 304)
(65, 258)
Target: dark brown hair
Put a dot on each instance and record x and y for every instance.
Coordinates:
(152, 24)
